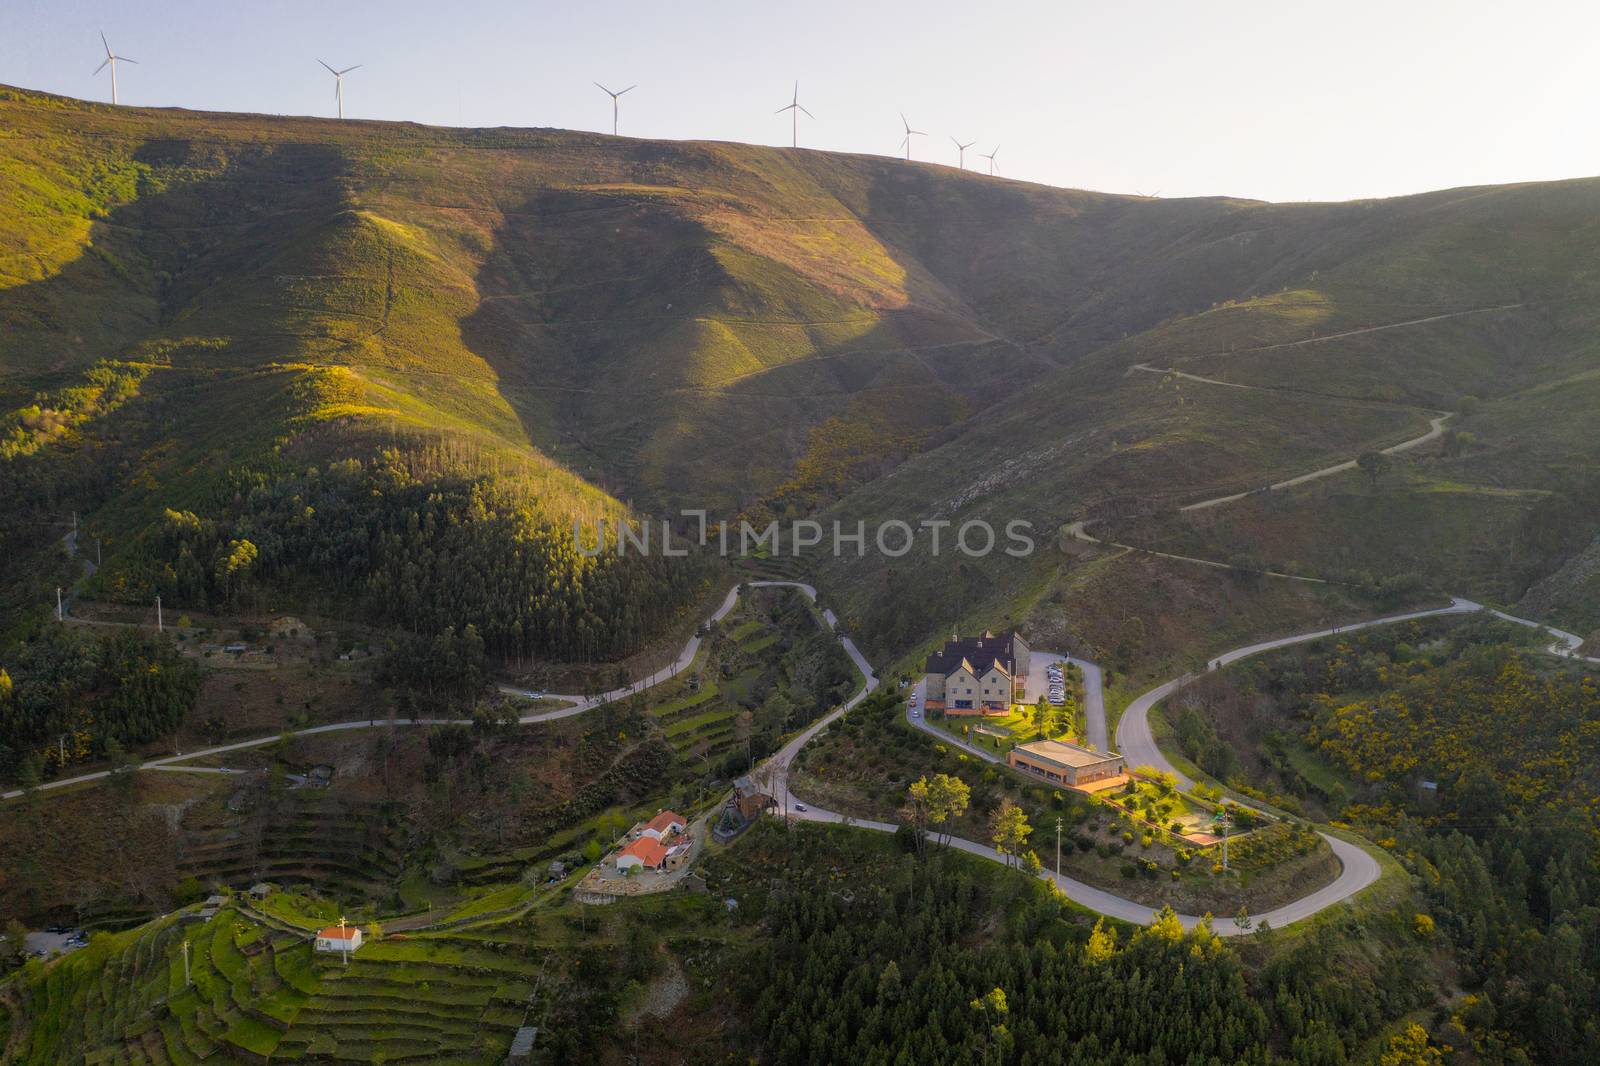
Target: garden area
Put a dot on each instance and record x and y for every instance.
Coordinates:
(864, 765)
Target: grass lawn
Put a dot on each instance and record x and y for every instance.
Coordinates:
(1018, 727)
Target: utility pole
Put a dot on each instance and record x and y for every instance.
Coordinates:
(158, 616)
(344, 941)
(186, 962)
(1226, 825)
(1058, 845)
(58, 603)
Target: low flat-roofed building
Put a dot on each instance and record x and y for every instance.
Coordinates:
(1065, 764)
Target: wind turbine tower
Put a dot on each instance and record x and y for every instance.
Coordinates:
(990, 157)
(910, 133)
(794, 109)
(338, 83)
(111, 60)
(961, 152)
(614, 97)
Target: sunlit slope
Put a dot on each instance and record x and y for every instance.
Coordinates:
(666, 319)
(697, 324)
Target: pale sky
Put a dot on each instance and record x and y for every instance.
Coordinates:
(1281, 100)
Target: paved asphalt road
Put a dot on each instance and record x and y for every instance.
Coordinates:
(1139, 747)
(1359, 868)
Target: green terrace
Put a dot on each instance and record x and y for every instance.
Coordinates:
(258, 993)
(345, 848)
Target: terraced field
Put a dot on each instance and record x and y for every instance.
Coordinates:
(344, 847)
(697, 712)
(258, 992)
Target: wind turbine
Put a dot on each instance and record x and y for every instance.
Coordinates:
(990, 157)
(961, 152)
(614, 96)
(910, 133)
(795, 108)
(338, 83)
(111, 60)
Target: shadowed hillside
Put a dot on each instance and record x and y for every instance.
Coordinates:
(588, 323)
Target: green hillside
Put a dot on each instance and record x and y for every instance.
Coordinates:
(579, 324)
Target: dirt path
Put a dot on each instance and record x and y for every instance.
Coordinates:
(1372, 329)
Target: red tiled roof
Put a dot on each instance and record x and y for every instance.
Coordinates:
(333, 932)
(664, 821)
(647, 849)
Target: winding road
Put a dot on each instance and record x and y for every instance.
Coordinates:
(1358, 868)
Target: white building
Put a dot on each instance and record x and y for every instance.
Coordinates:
(342, 939)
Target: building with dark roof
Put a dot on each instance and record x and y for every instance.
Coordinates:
(978, 675)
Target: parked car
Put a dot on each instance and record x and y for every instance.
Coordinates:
(59, 929)
(800, 807)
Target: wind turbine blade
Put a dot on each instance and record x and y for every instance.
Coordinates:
(904, 123)
(107, 44)
(781, 110)
(329, 69)
(125, 59)
(347, 70)
(104, 63)
(797, 92)
(629, 89)
(603, 89)
(805, 112)
(957, 143)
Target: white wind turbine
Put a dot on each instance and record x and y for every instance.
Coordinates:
(910, 133)
(111, 60)
(961, 152)
(338, 83)
(990, 157)
(614, 97)
(795, 108)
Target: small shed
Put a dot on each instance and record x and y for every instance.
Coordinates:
(522, 1043)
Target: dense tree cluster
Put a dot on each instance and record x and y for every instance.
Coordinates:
(934, 961)
(1391, 708)
(1505, 843)
(69, 694)
(1521, 904)
(422, 554)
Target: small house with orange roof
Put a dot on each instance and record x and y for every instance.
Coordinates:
(663, 826)
(645, 853)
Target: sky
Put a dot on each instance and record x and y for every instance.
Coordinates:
(1284, 100)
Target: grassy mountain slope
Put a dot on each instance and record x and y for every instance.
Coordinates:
(1364, 321)
(745, 328)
